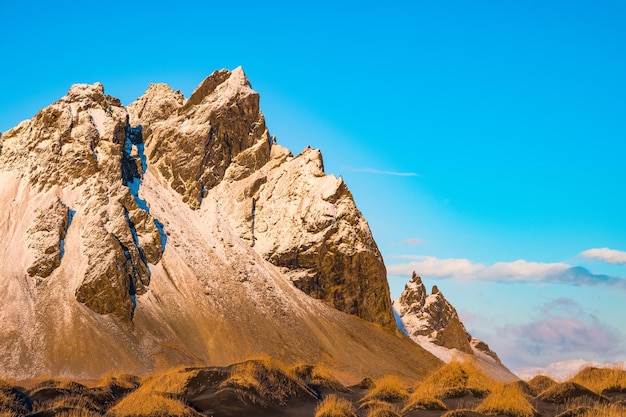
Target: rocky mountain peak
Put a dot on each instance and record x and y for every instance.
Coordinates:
(157, 103)
(432, 322)
(138, 231)
(432, 315)
(193, 142)
(78, 92)
(414, 295)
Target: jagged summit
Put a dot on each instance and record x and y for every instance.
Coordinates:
(433, 323)
(175, 231)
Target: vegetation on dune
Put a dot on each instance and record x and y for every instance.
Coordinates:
(147, 404)
(606, 410)
(602, 380)
(565, 391)
(542, 383)
(508, 400)
(423, 401)
(318, 376)
(267, 384)
(157, 396)
(454, 379)
(388, 389)
(264, 381)
(383, 409)
(334, 406)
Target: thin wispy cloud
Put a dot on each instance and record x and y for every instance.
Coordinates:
(413, 241)
(380, 172)
(504, 272)
(607, 255)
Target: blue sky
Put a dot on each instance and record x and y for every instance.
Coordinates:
(484, 141)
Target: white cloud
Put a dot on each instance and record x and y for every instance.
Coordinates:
(435, 267)
(516, 271)
(413, 241)
(522, 270)
(611, 256)
(376, 171)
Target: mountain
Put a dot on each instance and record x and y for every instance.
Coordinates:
(176, 231)
(433, 323)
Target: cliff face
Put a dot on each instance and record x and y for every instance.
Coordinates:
(305, 221)
(176, 231)
(70, 159)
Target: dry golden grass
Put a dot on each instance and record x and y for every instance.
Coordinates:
(79, 412)
(263, 380)
(333, 406)
(148, 404)
(507, 399)
(454, 379)
(602, 380)
(388, 388)
(6, 413)
(155, 397)
(542, 383)
(606, 410)
(423, 402)
(564, 392)
(383, 410)
(319, 376)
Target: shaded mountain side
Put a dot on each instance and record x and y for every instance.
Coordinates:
(433, 323)
(177, 232)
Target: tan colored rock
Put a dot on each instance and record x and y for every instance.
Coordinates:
(193, 147)
(80, 143)
(307, 223)
(160, 265)
(46, 239)
(433, 323)
(433, 316)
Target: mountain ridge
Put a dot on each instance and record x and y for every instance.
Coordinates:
(128, 243)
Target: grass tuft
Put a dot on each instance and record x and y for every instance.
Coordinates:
(383, 409)
(333, 406)
(388, 388)
(318, 376)
(262, 381)
(508, 400)
(424, 402)
(542, 383)
(602, 380)
(453, 380)
(606, 410)
(157, 396)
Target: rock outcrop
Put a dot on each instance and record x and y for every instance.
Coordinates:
(306, 221)
(433, 323)
(79, 146)
(432, 316)
(175, 231)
